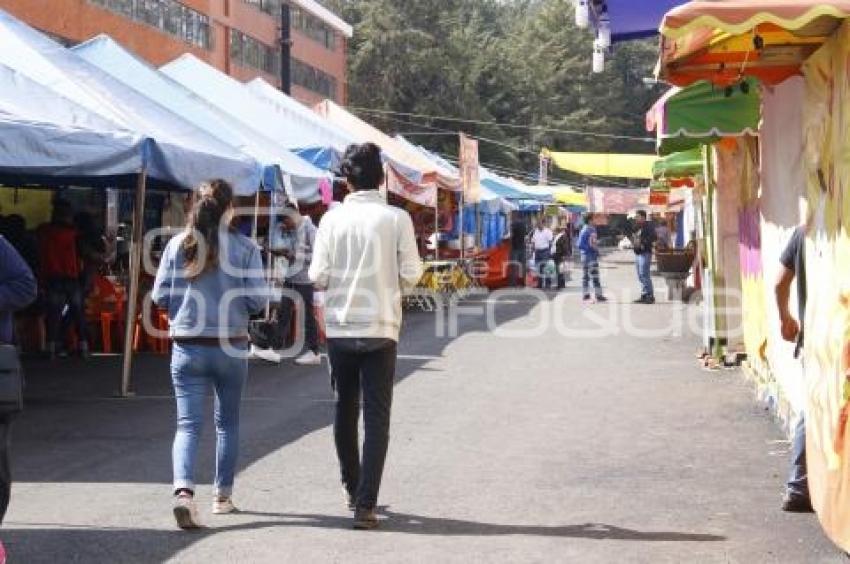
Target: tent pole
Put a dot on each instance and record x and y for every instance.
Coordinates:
(256, 227)
(135, 272)
(437, 227)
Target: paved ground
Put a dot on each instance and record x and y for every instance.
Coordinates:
(552, 447)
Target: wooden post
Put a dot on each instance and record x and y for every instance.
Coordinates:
(135, 275)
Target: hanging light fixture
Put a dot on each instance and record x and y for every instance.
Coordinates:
(598, 57)
(582, 14)
(603, 28)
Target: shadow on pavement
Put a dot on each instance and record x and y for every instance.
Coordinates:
(98, 544)
(421, 525)
(74, 429)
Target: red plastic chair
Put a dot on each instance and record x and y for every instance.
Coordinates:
(106, 305)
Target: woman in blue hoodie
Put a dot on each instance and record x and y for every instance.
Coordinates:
(17, 291)
(211, 282)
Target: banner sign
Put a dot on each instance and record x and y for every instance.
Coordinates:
(469, 170)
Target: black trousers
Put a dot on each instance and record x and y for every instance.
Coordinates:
(367, 367)
(287, 310)
(5, 466)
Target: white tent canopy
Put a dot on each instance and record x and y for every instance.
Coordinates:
(112, 58)
(181, 154)
(231, 96)
(310, 131)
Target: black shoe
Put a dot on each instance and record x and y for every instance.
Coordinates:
(601, 299)
(641, 300)
(793, 503)
(365, 519)
(649, 300)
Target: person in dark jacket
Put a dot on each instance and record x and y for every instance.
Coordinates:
(562, 250)
(643, 244)
(17, 291)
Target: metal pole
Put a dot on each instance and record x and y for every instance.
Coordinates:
(463, 187)
(135, 272)
(255, 229)
(437, 226)
(285, 48)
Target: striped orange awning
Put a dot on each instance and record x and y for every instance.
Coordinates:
(727, 41)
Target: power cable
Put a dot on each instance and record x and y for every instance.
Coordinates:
(505, 125)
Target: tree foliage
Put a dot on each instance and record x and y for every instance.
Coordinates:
(500, 62)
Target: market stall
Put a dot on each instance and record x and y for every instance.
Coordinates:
(66, 122)
(283, 170)
(232, 98)
(775, 41)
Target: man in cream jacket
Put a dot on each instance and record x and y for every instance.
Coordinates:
(365, 254)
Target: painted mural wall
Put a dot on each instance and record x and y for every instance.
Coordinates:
(827, 325)
(782, 191)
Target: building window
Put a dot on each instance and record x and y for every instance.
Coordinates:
(169, 16)
(250, 52)
(313, 79)
(268, 6)
(314, 28)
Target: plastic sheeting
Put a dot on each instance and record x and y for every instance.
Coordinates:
(181, 155)
(309, 134)
(703, 113)
(43, 135)
(604, 164)
(110, 57)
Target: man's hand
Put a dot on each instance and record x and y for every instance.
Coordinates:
(790, 329)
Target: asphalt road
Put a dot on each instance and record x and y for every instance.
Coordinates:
(542, 431)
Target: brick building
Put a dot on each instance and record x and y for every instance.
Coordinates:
(240, 37)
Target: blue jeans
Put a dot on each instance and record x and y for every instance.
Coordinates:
(194, 368)
(590, 266)
(798, 482)
(644, 264)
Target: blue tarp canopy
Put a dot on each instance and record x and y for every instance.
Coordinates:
(110, 57)
(180, 154)
(45, 137)
(234, 98)
(636, 19)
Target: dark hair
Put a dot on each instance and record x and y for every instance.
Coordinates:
(641, 213)
(205, 223)
(62, 211)
(340, 189)
(362, 166)
(588, 218)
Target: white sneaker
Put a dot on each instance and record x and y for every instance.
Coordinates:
(309, 358)
(265, 354)
(186, 513)
(223, 506)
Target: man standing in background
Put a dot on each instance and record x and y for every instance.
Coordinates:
(589, 248)
(794, 267)
(542, 238)
(519, 258)
(644, 239)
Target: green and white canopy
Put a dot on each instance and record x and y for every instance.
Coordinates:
(702, 113)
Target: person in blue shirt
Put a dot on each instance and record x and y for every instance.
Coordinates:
(17, 291)
(589, 248)
(211, 281)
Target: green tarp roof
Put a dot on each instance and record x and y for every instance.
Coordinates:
(703, 113)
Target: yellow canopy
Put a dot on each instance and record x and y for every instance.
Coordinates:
(569, 197)
(603, 164)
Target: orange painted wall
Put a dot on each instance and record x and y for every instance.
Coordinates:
(79, 20)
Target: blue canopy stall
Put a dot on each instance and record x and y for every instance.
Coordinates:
(282, 170)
